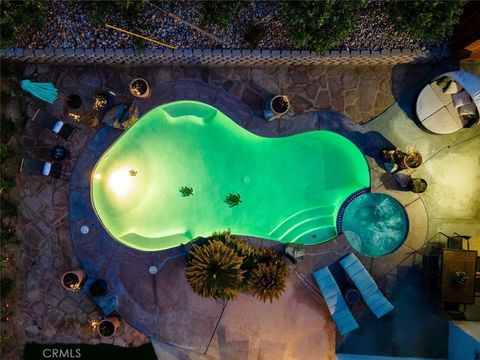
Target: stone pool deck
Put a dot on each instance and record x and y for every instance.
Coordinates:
(232, 330)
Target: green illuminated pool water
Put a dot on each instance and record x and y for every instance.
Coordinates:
(291, 187)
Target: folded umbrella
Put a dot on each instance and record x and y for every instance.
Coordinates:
(44, 91)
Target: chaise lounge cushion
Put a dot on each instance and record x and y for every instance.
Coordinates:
(469, 109)
(460, 99)
(453, 88)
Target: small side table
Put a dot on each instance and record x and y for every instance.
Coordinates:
(352, 296)
(59, 153)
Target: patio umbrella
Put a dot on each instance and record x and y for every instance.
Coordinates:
(44, 91)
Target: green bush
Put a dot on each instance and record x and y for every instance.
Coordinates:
(6, 183)
(320, 25)
(426, 20)
(98, 10)
(7, 129)
(6, 152)
(8, 235)
(6, 286)
(255, 34)
(220, 13)
(7, 208)
(16, 16)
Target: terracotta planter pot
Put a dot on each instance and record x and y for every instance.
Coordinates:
(139, 88)
(417, 185)
(109, 326)
(280, 105)
(72, 280)
(410, 161)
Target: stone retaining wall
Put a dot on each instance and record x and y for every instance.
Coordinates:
(223, 57)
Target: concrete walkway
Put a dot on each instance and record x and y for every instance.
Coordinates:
(451, 168)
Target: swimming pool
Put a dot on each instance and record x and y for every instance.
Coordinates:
(375, 224)
(291, 188)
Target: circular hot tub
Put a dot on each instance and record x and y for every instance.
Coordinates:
(375, 224)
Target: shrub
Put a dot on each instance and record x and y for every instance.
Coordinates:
(8, 129)
(7, 208)
(243, 249)
(6, 286)
(16, 16)
(214, 271)
(268, 281)
(8, 235)
(99, 10)
(255, 34)
(6, 152)
(426, 20)
(6, 183)
(320, 25)
(222, 266)
(220, 13)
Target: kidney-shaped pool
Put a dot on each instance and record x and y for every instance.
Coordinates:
(167, 180)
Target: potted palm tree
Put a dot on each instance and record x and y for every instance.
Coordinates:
(139, 88)
(417, 185)
(108, 326)
(72, 280)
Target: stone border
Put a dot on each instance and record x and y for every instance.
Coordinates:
(223, 56)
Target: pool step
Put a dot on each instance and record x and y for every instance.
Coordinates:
(300, 218)
(310, 231)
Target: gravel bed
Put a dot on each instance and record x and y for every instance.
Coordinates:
(68, 25)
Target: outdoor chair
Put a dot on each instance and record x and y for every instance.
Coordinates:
(457, 241)
(369, 290)
(37, 167)
(336, 303)
(55, 125)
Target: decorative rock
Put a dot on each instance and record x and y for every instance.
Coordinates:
(67, 82)
(253, 100)
(90, 79)
(32, 331)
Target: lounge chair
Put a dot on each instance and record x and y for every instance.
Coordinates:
(37, 167)
(336, 303)
(55, 125)
(372, 295)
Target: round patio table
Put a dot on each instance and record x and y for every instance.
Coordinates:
(59, 153)
(352, 296)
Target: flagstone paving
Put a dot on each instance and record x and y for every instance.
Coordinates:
(50, 314)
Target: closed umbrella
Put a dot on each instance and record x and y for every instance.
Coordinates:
(44, 91)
